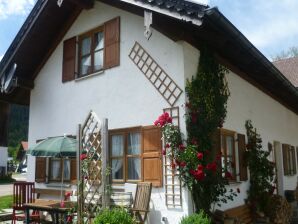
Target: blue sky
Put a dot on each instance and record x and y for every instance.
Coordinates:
(272, 26)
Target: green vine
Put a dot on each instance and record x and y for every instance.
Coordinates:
(261, 171)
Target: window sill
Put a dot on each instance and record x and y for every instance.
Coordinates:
(57, 184)
(89, 75)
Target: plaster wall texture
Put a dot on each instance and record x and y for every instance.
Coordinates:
(125, 96)
(3, 156)
(121, 94)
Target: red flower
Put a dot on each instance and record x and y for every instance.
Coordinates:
(168, 145)
(228, 175)
(173, 165)
(163, 119)
(169, 120)
(218, 156)
(182, 164)
(194, 118)
(181, 147)
(200, 155)
(199, 175)
(62, 204)
(69, 219)
(83, 156)
(165, 115)
(156, 122)
(67, 195)
(164, 152)
(200, 167)
(194, 141)
(238, 190)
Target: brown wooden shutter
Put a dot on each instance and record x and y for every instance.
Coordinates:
(69, 59)
(216, 147)
(293, 160)
(285, 159)
(40, 169)
(73, 170)
(152, 161)
(112, 43)
(241, 157)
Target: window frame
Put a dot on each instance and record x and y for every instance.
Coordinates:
(124, 132)
(61, 170)
(90, 34)
(228, 133)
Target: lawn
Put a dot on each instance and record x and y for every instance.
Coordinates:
(5, 202)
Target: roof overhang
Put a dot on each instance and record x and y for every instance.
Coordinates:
(196, 24)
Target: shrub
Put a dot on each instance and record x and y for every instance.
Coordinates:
(114, 216)
(196, 218)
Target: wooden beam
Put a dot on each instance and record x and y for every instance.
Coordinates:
(84, 4)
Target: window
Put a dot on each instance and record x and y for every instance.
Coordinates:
(59, 169)
(91, 52)
(228, 159)
(126, 153)
(289, 160)
(54, 169)
(135, 155)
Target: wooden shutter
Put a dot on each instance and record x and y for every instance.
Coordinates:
(73, 170)
(293, 158)
(112, 43)
(40, 169)
(152, 161)
(69, 59)
(241, 157)
(285, 150)
(216, 147)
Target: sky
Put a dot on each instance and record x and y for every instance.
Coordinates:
(272, 26)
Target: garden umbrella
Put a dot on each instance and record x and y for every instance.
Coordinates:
(60, 147)
(55, 147)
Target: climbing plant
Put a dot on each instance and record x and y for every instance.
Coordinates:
(261, 170)
(200, 166)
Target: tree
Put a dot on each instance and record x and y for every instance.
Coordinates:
(291, 52)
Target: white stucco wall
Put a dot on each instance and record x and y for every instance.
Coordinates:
(125, 96)
(3, 156)
(121, 94)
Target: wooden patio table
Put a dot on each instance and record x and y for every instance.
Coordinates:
(51, 206)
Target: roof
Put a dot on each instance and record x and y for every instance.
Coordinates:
(197, 24)
(289, 68)
(24, 145)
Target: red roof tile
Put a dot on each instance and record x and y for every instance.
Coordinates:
(289, 68)
(25, 145)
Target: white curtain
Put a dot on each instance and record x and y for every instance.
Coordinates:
(134, 148)
(117, 150)
(55, 174)
(66, 170)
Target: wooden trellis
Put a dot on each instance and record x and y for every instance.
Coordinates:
(163, 83)
(93, 138)
(173, 189)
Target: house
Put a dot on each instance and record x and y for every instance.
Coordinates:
(128, 60)
(22, 155)
(289, 68)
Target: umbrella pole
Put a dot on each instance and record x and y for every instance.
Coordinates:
(62, 179)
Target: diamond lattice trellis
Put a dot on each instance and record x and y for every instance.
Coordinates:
(93, 144)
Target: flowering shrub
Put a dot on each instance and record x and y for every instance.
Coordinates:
(199, 166)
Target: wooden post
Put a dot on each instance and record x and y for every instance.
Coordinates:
(105, 163)
(79, 176)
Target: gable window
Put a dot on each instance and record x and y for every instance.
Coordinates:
(93, 51)
(134, 152)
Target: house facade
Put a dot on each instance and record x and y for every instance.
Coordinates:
(104, 62)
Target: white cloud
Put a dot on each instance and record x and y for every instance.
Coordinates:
(1, 56)
(15, 7)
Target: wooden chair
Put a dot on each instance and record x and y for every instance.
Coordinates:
(140, 207)
(23, 192)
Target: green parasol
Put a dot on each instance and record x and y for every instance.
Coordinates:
(55, 147)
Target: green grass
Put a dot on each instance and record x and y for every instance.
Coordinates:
(5, 202)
